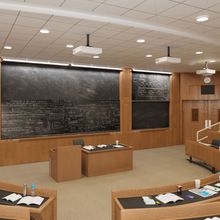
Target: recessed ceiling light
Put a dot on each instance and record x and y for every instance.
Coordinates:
(44, 31)
(202, 18)
(96, 57)
(199, 52)
(212, 61)
(148, 55)
(140, 40)
(8, 47)
(69, 46)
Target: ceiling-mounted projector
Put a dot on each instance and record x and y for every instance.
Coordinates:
(168, 59)
(87, 50)
(206, 71)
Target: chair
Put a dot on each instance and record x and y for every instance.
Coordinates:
(65, 163)
(14, 213)
(215, 143)
(79, 142)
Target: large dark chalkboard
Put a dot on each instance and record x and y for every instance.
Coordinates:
(150, 100)
(42, 100)
(150, 86)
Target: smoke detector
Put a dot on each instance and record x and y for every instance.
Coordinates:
(168, 59)
(206, 71)
(87, 51)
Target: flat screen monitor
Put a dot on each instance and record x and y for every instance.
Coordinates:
(208, 89)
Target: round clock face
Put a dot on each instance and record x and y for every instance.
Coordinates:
(207, 79)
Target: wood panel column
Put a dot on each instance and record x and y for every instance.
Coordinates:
(125, 101)
(1, 60)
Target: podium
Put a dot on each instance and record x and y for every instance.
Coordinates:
(65, 163)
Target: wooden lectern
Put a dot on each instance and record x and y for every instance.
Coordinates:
(65, 163)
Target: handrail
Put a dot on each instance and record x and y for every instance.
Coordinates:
(210, 127)
(218, 123)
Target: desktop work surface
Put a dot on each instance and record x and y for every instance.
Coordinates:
(104, 161)
(46, 211)
(129, 205)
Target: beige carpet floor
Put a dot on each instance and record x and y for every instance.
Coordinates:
(89, 198)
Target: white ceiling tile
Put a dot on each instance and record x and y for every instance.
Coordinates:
(105, 33)
(30, 22)
(3, 11)
(80, 5)
(70, 37)
(78, 29)
(5, 27)
(180, 11)
(198, 29)
(136, 15)
(180, 24)
(99, 1)
(155, 6)
(109, 10)
(212, 16)
(34, 15)
(7, 18)
(124, 3)
(45, 2)
(92, 24)
(179, 1)
(59, 26)
(214, 23)
(23, 29)
(115, 27)
(160, 20)
(125, 36)
(65, 20)
(215, 8)
(136, 31)
(201, 3)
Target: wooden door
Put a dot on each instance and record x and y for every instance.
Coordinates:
(194, 115)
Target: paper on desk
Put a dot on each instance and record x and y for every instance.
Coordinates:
(168, 197)
(214, 218)
(89, 147)
(12, 197)
(27, 200)
(148, 200)
(118, 146)
(101, 145)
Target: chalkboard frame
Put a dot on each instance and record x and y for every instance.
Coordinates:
(116, 100)
(140, 123)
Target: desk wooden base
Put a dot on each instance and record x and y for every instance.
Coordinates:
(95, 163)
(159, 212)
(47, 211)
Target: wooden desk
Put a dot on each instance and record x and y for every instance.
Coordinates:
(207, 154)
(197, 212)
(14, 213)
(157, 212)
(101, 162)
(47, 211)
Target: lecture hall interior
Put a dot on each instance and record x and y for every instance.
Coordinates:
(110, 109)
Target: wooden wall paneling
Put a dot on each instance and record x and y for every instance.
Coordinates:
(191, 127)
(191, 87)
(0, 97)
(175, 106)
(125, 99)
(214, 111)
